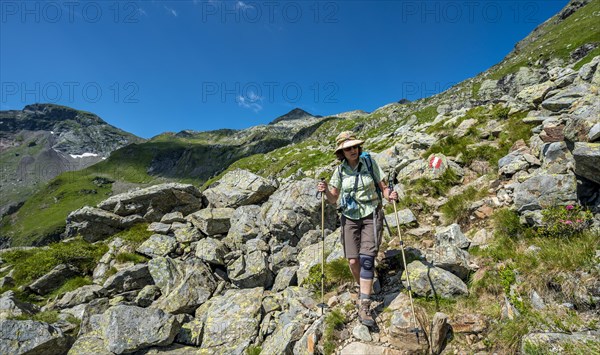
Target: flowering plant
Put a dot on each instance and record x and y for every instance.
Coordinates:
(565, 221)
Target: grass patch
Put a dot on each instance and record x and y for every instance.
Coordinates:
(253, 350)
(131, 257)
(588, 58)
(457, 207)
(435, 188)
(32, 264)
(135, 235)
(337, 272)
(45, 316)
(334, 321)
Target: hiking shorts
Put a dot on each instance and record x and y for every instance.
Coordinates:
(359, 237)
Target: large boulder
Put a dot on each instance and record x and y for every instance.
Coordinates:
(311, 255)
(31, 337)
(533, 95)
(399, 325)
(563, 99)
(557, 158)
(155, 201)
(583, 122)
(54, 279)
(211, 251)
(294, 210)
(246, 224)
(165, 273)
(231, 321)
(427, 280)
(212, 221)
(81, 295)
(238, 188)
(130, 328)
(587, 160)
(450, 258)
(251, 270)
(157, 245)
(545, 190)
(133, 278)
(283, 338)
(95, 224)
(190, 291)
(10, 306)
(517, 160)
(451, 235)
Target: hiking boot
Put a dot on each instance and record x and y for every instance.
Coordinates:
(364, 313)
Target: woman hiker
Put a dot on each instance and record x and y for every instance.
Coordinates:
(359, 181)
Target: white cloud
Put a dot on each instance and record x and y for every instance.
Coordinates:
(171, 11)
(243, 6)
(252, 101)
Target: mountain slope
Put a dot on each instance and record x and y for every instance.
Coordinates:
(44, 140)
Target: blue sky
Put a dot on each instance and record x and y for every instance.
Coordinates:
(154, 66)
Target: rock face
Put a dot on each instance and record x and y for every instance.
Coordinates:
(154, 202)
(429, 280)
(192, 289)
(212, 221)
(129, 328)
(31, 337)
(53, 279)
(239, 188)
(542, 190)
(587, 160)
(133, 278)
(231, 321)
(251, 270)
(10, 306)
(96, 224)
(293, 210)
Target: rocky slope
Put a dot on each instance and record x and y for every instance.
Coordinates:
(44, 140)
(503, 240)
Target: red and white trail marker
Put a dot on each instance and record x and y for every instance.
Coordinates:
(435, 163)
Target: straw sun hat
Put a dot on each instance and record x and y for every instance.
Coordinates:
(346, 139)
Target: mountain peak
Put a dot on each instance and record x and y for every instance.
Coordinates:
(295, 114)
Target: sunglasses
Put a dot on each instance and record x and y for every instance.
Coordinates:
(350, 148)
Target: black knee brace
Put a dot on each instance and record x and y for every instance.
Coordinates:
(367, 263)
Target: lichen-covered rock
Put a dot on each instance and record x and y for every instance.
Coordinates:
(307, 345)
(88, 344)
(54, 279)
(191, 333)
(130, 328)
(31, 337)
(211, 250)
(238, 188)
(157, 245)
(311, 255)
(188, 234)
(190, 291)
(95, 224)
(517, 160)
(563, 99)
(251, 270)
(533, 95)
(285, 277)
(10, 306)
(81, 295)
(557, 158)
(231, 321)
(165, 273)
(294, 210)
(557, 343)
(147, 295)
(246, 224)
(450, 258)
(405, 216)
(212, 221)
(283, 339)
(545, 190)
(427, 279)
(133, 278)
(160, 199)
(451, 235)
(587, 160)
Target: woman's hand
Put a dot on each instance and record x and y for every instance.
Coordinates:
(322, 186)
(393, 196)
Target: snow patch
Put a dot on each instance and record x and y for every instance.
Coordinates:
(84, 155)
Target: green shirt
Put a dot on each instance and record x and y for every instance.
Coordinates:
(366, 192)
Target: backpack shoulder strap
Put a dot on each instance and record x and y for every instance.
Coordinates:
(369, 163)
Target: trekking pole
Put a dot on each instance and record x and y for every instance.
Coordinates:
(412, 306)
(322, 305)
